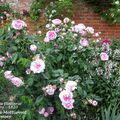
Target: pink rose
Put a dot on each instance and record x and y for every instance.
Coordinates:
(46, 39)
(56, 21)
(18, 24)
(50, 90)
(8, 75)
(71, 85)
(94, 103)
(79, 28)
(17, 81)
(33, 48)
(90, 30)
(66, 96)
(84, 42)
(37, 66)
(46, 114)
(51, 35)
(104, 56)
(68, 105)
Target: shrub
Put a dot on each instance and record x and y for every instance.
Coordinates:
(66, 73)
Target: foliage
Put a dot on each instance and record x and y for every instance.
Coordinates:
(71, 53)
(36, 8)
(109, 9)
(111, 113)
(52, 8)
(60, 8)
(5, 10)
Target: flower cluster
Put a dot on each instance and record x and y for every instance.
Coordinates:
(49, 89)
(46, 112)
(66, 96)
(51, 69)
(93, 102)
(14, 80)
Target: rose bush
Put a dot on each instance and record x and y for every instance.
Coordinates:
(66, 73)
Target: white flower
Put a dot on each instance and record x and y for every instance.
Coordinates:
(41, 111)
(66, 20)
(50, 90)
(79, 28)
(71, 85)
(33, 48)
(8, 75)
(46, 40)
(90, 30)
(37, 66)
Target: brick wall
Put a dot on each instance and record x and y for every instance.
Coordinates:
(83, 14)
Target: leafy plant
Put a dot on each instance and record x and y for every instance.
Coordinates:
(111, 113)
(109, 10)
(67, 59)
(36, 9)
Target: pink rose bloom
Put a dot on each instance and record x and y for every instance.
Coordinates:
(50, 90)
(46, 39)
(17, 81)
(56, 21)
(51, 35)
(94, 103)
(68, 106)
(90, 30)
(46, 114)
(84, 42)
(104, 56)
(33, 48)
(66, 96)
(37, 66)
(18, 24)
(79, 27)
(71, 85)
(41, 111)
(8, 75)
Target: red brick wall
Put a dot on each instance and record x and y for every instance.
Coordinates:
(83, 14)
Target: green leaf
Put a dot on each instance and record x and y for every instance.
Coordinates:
(14, 58)
(24, 61)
